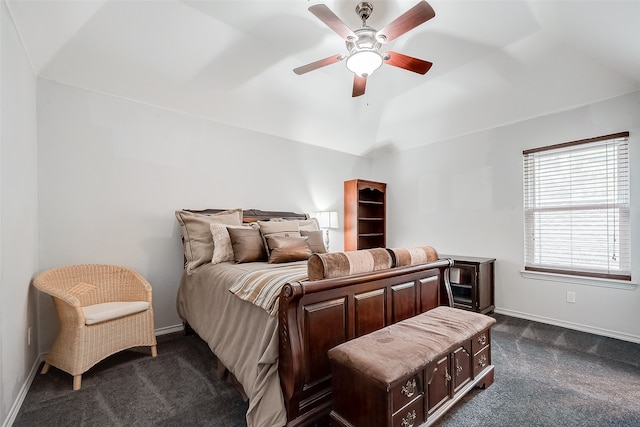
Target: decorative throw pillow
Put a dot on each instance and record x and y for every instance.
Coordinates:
(284, 228)
(310, 224)
(340, 264)
(316, 241)
(412, 256)
(247, 244)
(287, 249)
(196, 234)
(222, 248)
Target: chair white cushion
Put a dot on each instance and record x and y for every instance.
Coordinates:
(112, 310)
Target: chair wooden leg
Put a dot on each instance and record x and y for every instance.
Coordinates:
(154, 351)
(45, 368)
(77, 379)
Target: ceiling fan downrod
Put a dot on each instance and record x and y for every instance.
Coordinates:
(364, 9)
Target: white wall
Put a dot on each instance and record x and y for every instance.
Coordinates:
(102, 179)
(18, 216)
(464, 196)
(112, 172)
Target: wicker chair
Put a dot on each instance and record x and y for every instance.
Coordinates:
(103, 309)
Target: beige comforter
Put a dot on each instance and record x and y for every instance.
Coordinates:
(242, 335)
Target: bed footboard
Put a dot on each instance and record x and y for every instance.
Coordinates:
(315, 316)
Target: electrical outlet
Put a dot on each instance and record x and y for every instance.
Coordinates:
(571, 296)
(29, 336)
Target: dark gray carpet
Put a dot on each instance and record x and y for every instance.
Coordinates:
(550, 376)
(177, 388)
(544, 376)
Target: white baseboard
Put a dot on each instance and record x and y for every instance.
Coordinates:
(15, 408)
(169, 329)
(570, 325)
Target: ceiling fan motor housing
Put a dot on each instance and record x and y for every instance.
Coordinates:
(366, 40)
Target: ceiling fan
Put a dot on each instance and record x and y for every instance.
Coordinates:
(363, 45)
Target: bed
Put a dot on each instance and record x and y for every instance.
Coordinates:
(275, 348)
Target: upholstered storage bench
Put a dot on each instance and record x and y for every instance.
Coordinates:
(409, 373)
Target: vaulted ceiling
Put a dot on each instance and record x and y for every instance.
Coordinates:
(495, 62)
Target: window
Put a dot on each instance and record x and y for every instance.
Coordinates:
(576, 208)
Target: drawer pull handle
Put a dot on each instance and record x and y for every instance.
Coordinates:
(447, 377)
(409, 389)
(482, 339)
(458, 368)
(409, 419)
(482, 361)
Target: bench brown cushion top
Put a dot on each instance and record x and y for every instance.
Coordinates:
(391, 353)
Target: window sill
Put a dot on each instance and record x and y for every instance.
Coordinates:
(579, 280)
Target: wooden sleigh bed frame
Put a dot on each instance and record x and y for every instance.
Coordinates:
(314, 316)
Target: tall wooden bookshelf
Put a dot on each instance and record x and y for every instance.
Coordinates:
(364, 214)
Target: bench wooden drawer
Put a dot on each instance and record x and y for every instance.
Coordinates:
(481, 360)
(410, 416)
(481, 340)
(406, 392)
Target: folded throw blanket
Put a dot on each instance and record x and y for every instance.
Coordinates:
(262, 287)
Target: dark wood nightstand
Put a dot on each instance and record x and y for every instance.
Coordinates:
(472, 283)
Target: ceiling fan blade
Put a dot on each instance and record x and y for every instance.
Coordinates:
(407, 62)
(359, 85)
(418, 14)
(325, 14)
(318, 64)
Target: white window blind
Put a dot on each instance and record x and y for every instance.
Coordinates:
(576, 208)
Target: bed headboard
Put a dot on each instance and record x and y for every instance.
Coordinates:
(200, 246)
(253, 215)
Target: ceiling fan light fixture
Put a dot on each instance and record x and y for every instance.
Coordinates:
(364, 62)
(364, 44)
